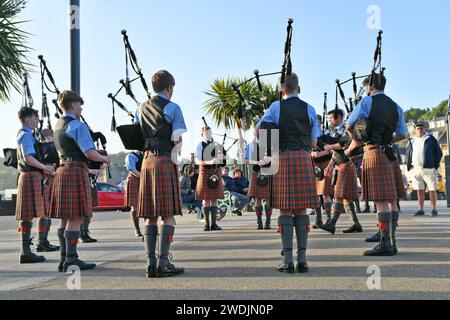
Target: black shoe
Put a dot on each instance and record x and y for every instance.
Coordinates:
(328, 227)
(80, 264)
(207, 227)
(302, 267)
(138, 234)
(151, 272)
(260, 226)
(87, 239)
(354, 228)
(317, 225)
(376, 238)
(267, 227)
(395, 250)
(380, 251)
(434, 213)
(419, 213)
(46, 247)
(215, 227)
(366, 209)
(288, 268)
(31, 258)
(328, 220)
(169, 271)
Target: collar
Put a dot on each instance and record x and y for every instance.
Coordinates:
(27, 129)
(160, 94)
(292, 95)
(70, 115)
(376, 94)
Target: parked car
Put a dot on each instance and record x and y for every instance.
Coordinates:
(110, 198)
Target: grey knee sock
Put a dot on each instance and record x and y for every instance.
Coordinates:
(351, 211)
(165, 239)
(62, 243)
(206, 211)
(213, 211)
(286, 224)
(337, 209)
(25, 229)
(42, 227)
(71, 245)
(384, 224)
(150, 239)
(47, 230)
(268, 215)
(135, 219)
(302, 223)
(259, 210)
(327, 207)
(319, 215)
(395, 218)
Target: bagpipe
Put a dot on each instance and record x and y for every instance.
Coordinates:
(131, 135)
(98, 137)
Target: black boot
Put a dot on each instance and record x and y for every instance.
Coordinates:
(395, 218)
(135, 219)
(214, 226)
(44, 228)
(319, 221)
(385, 246)
(71, 238)
(62, 242)
(356, 226)
(206, 211)
(375, 238)
(259, 210)
(286, 224)
(302, 224)
(84, 231)
(327, 207)
(150, 239)
(165, 268)
(26, 256)
(268, 218)
(331, 226)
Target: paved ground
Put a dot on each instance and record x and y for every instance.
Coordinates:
(239, 263)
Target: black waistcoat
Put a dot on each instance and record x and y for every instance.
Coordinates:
(295, 126)
(22, 166)
(66, 146)
(383, 120)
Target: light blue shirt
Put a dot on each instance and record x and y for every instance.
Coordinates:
(172, 114)
(79, 132)
(131, 161)
(364, 108)
(273, 116)
(26, 141)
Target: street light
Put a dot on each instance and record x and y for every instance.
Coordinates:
(75, 74)
(447, 158)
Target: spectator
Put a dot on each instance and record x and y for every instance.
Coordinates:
(424, 156)
(240, 181)
(240, 199)
(187, 193)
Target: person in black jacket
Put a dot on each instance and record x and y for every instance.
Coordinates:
(424, 156)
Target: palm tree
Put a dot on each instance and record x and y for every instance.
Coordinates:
(223, 105)
(13, 51)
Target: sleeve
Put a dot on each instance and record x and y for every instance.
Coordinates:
(315, 128)
(362, 109)
(272, 115)
(174, 116)
(131, 162)
(401, 129)
(79, 132)
(438, 153)
(26, 144)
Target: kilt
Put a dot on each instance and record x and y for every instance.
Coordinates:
(378, 182)
(159, 189)
(347, 182)
(30, 198)
(202, 191)
(324, 187)
(399, 185)
(257, 191)
(47, 191)
(71, 194)
(132, 191)
(293, 187)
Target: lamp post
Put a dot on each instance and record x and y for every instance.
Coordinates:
(75, 74)
(447, 158)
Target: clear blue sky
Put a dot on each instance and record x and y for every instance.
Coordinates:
(201, 40)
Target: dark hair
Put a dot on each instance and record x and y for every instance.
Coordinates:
(26, 112)
(161, 80)
(379, 81)
(47, 132)
(66, 97)
(336, 113)
(291, 83)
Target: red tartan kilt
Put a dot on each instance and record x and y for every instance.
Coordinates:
(159, 190)
(202, 191)
(399, 185)
(324, 187)
(378, 182)
(347, 182)
(132, 191)
(47, 191)
(257, 191)
(30, 199)
(293, 187)
(71, 195)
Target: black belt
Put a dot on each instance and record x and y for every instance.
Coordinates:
(159, 153)
(291, 149)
